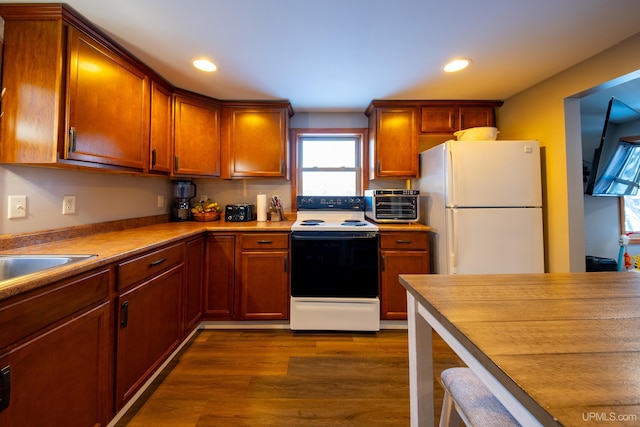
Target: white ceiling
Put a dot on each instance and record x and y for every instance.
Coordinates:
(338, 55)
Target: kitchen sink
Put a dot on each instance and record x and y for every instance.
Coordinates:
(12, 266)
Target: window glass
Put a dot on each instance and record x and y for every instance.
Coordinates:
(631, 214)
(316, 183)
(328, 153)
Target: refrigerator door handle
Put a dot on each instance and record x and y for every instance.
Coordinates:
(453, 242)
(451, 196)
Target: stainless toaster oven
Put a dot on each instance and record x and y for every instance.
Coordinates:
(399, 206)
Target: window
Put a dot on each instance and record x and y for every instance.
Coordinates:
(329, 162)
(630, 221)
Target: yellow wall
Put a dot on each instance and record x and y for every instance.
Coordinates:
(543, 112)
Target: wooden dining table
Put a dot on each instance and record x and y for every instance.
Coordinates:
(557, 349)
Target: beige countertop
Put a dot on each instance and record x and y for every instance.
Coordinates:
(112, 246)
(412, 226)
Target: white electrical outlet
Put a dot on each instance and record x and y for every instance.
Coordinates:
(17, 207)
(160, 201)
(68, 205)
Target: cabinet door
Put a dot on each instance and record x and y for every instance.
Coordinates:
(476, 117)
(161, 148)
(193, 284)
(393, 296)
(439, 119)
(149, 328)
(264, 285)
(32, 77)
(108, 106)
(62, 377)
(395, 147)
(220, 277)
(196, 138)
(448, 119)
(257, 141)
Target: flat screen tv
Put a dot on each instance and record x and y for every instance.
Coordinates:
(615, 170)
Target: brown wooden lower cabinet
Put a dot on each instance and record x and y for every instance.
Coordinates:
(264, 286)
(149, 327)
(264, 279)
(59, 378)
(194, 278)
(62, 372)
(219, 288)
(247, 276)
(400, 253)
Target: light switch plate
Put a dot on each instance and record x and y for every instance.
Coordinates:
(17, 207)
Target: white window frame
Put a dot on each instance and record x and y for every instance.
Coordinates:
(362, 172)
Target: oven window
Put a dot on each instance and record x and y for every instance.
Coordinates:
(329, 165)
(343, 268)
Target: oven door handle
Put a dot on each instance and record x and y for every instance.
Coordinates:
(321, 236)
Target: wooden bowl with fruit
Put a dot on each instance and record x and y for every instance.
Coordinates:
(206, 210)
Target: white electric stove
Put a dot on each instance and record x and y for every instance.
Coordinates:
(334, 277)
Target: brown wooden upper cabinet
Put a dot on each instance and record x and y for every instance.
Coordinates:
(70, 99)
(255, 139)
(393, 141)
(161, 129)
(197, 135)
(449, 118)
(395, 125)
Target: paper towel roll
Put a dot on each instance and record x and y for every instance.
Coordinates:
(261, 207)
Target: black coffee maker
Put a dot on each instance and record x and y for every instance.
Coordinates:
(183, 192)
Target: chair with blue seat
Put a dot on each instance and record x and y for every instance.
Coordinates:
(468, 400)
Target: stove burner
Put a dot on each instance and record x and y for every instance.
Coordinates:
(311, 222)
(353, 223)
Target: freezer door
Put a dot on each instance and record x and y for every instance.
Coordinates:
(487, 241)
(493, 173)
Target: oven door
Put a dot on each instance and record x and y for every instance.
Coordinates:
(339, 264)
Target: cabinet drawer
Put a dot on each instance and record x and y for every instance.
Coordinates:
(404, 240)
(138, 269)
(31, 314)
(265, 241)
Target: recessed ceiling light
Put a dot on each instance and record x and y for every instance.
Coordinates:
(205, 65)
(457, 65)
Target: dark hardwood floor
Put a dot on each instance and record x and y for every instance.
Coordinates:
(280, 378)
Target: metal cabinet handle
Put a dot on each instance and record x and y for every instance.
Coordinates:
(265, 242)
(125, 314)
(4, 90)
(72, 137)
(378, 167)
(5, 387)
(157, 262)
(153, 157)
(382, 263)
(175, 164)
(404, 242)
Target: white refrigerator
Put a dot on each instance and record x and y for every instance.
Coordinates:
(483, 202)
